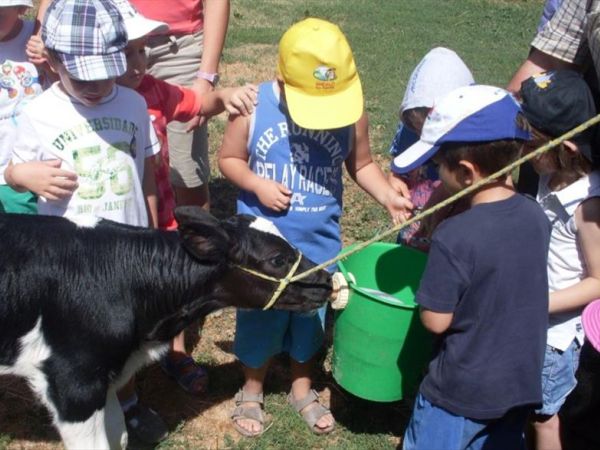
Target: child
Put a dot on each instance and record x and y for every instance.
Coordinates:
(86, 146)
(484, 292)
(18, 85)
(427, 83)
(569, 193)
(168, 102)
(287, 160)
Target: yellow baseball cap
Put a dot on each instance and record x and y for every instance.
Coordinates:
(321, 84)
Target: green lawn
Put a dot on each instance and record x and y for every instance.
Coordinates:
(388, 37)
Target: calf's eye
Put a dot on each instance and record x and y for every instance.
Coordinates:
(278, 261)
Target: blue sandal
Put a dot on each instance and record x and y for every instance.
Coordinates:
(187, 373)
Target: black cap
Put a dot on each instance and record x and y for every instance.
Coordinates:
(555, 102)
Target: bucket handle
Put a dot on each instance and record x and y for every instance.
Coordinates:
(380, 296)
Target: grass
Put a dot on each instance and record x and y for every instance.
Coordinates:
(388, 38)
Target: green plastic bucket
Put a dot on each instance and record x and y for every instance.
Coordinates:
(380, 347)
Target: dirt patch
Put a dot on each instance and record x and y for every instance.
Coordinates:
(200, 422)
(249, 64)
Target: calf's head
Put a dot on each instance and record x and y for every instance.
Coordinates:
(254, 257)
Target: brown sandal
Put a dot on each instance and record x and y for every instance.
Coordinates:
(248, 412)
(311, 416)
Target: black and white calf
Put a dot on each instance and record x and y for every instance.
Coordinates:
(82, 308)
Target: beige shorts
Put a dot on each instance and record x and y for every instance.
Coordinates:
(177, 60)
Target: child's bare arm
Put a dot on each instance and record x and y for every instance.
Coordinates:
(41, 12)
(233, 163)
(587, 218)
(150, 195)
(234, 100)
(44, 178)
(371, 179)
(434, 321)
(398, 184)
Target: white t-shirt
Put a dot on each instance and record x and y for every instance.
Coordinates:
(19, 84)
(565, 264)
(106, 145)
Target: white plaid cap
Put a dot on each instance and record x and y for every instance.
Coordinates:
(89, 37)
(5, 3)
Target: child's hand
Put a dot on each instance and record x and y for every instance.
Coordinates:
(240, 100)
(236, 101)
(273, 195)
(44, 178)
(398, 184)
(398, 206)
(35, 50)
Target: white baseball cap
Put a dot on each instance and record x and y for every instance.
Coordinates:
(440, 71)
(5, 3)
(137, 25)
(468, 114)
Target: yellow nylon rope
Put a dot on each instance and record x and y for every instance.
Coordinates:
(544, 148)
(283, 282)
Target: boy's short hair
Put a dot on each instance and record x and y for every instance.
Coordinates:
(489, 157)
(555, 102)
(471, 114)
(88, 37)
(321, 84)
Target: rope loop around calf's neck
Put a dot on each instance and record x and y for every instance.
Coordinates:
(283, 282)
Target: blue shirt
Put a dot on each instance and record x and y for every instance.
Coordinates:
(487, 266)
(309, 163)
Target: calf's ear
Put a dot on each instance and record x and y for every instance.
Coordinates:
(202, 234)
(236, 227)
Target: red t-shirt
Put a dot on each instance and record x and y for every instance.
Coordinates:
(183, 16)
(167, 102)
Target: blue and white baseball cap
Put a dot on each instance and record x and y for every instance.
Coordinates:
(439, 72)
(468, 114)
(89, 37)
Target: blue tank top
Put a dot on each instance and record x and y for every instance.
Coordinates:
(309, 163)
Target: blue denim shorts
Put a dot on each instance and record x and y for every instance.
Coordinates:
(558, 377)
(262, 334)
(434, 428)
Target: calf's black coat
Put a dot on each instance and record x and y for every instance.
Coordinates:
(103, 298)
